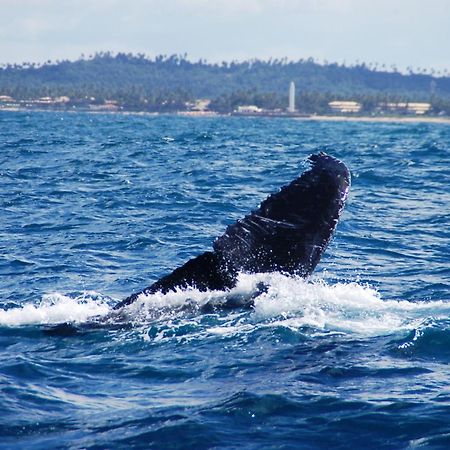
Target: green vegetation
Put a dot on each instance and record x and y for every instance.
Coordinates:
(167, 83)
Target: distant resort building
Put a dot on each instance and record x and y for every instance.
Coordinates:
(345, 107)
(198, 108)
(402, 108)
(8, 103)
(416, 108)
(200, 105)
(249, 109)
(62, 99)
(43, 101)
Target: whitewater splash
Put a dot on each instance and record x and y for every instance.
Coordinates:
(56, 308)
(293, 303)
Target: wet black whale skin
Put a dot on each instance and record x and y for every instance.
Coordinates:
(287, 233)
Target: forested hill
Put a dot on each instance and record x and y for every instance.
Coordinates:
(108, 76)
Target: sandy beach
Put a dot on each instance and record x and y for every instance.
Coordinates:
(390, 119)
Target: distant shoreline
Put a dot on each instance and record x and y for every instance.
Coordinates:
(389, 119)
(209, 114)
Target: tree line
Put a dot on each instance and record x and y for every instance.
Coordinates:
(169, 83)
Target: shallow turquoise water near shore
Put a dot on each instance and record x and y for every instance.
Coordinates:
(94, 207)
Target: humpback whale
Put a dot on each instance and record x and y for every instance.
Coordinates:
(287, 233)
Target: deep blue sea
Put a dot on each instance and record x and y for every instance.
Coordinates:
(95, 207)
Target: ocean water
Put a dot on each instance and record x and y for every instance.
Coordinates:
(95, 207)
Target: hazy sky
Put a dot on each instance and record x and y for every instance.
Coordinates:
(403, 32)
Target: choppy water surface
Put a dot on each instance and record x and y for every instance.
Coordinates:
(94, 207)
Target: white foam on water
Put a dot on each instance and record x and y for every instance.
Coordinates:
(294, 303)
(340, 307)
(56, 308)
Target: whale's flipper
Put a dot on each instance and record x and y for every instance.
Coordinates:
(287, 233)
(291, 229)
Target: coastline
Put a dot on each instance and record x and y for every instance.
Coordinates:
(208, 114)
(388, 119)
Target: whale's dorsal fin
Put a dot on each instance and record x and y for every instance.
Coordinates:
(288, 233)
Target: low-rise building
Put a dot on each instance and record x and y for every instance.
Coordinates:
(417, 108)
(249, 109)
(345, 107)
(62, 100)
(201, 105)
(44, 101)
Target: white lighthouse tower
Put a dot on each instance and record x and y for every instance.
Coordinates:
(291, 107)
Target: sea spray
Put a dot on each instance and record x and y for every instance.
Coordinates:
(291, 302)
(56, 308)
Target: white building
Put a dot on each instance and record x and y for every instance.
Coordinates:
(408, 108)
(344, 107)
(248, 109)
